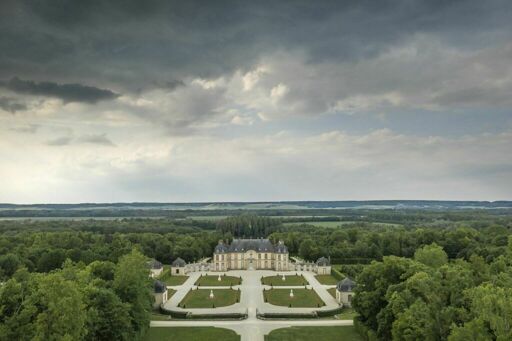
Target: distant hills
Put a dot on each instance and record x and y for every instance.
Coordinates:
(278, 205)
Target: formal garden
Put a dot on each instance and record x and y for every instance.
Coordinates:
(170, 280)
(187, 333)
(327, 279)
(218, 280)
(324, 333)
(282, 280)
(293, 298)
(206, 298)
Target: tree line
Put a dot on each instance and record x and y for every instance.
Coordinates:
(429, 297)
(99, 301)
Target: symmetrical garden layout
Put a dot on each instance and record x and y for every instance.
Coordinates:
(252, 294)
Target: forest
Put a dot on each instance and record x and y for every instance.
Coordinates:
(433, 275)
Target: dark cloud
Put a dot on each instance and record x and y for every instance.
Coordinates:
(130, 44)
(66, 92)
(11, 105)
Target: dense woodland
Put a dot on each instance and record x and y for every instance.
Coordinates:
(431, 275)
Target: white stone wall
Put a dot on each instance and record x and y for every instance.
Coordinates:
(242, 261)
(344, 298)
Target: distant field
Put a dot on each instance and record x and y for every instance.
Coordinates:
(334, 224)
(345, 333)
(188, 333)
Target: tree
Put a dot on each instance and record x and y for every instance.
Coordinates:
(9, 263)
(431, 255)
(308, 250)
(491, 306)
(107, 317)
(132, 285)
(61, 309)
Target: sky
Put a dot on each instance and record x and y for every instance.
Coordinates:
(186, 101)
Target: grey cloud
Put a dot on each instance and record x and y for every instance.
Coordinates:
(66, 92)
(11, 105)
(28, 129)
(60, 141)
(100, 139)
(131, 44)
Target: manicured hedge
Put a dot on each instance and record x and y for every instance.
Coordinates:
(174, 313)
(336, 274)
(188, 315)
(288, 315)
(330, 312)
(231, 316)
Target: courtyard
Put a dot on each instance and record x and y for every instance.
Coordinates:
(244, 292)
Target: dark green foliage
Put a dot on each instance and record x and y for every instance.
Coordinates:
(248, 226)
(78, 302)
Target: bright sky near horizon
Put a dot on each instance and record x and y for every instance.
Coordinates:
(104, 101)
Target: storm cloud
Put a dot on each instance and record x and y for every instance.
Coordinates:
(66, 92)
(255, 100)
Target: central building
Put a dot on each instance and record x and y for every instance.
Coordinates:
(250, 254)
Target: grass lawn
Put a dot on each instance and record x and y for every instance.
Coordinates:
(200, 298)
(302, 298)
(171, 280)
(332, 291)
(344, 333)
(289, 280)
(347, 314)
(155, 316)
(189, 333)
(326, 279)
(209, 281)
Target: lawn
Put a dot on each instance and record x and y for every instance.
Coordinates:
(200, 298)
(302, 298)
(289, 280)
(188, 333)
(214, 281)
(337, 333)
(347, 314)
(332, 291)
(326, 279)
(171, 280)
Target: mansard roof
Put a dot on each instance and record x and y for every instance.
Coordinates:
(322, 261)
(178, 262)
(159, 287)
(346, 285)
(154, 264)
(258, 245)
